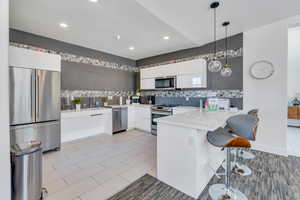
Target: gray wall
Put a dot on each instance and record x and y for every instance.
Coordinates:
(79, 76)
(215, 80)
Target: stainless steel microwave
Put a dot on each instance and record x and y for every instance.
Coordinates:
(165, 83)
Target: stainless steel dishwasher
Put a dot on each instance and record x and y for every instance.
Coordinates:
(119, 119)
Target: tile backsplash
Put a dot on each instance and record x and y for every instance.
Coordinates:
(195, 93)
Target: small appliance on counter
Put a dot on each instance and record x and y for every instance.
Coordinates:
(135, 99)
(214, 104)
(224, 104)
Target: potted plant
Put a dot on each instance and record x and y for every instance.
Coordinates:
(77, 102)
(104, 101)
(138, 92)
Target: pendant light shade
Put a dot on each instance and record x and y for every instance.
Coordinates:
(215, 65)
(226, 70)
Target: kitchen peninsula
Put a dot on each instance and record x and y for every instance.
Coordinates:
(185, 160)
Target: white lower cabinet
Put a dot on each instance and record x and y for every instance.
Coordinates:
(139, 117)
(143, 124)
(131, 117)
(86, 123)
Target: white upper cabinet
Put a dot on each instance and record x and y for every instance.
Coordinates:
(148, 84)
(197, 66)
(20, 57)
(189, 74)
(191, 81)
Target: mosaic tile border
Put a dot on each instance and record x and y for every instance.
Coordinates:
(171, 93)
(232, 53)
(79, 59)
(195, 93)
(94, 93)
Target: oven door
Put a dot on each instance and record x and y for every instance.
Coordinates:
(165, 83)
(156, 115)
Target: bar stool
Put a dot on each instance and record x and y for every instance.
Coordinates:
(245, 126)
(246, 154)
(221, 138)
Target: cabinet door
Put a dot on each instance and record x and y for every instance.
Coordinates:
(148, 73)
(143, 124)
(131, 117)
(191, 81)
(192, 67)
(148, 84)
(22, 95)
(293, 112)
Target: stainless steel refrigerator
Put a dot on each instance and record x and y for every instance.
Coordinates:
(35, 107)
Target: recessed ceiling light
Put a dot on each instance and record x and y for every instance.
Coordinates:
(166, 37)
(131, 48)
(63, 25)
(118, 37)
(94, 1)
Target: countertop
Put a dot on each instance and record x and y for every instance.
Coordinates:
(85, 110)
(201, 119)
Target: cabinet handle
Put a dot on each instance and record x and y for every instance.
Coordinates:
(94, 115)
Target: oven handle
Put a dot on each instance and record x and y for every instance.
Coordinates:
(162, 113)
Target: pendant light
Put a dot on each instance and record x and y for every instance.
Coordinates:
(226, 70)
(215, 65)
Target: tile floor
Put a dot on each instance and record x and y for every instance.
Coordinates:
(293, 139)
(98, 167)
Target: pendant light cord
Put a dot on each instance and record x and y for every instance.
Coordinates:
(215, 34)
(226, 44)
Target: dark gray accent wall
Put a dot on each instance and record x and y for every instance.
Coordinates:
(56, 45)
(79, 76)
(215, 80)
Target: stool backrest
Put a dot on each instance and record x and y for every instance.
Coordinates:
(244, 125)
(253, 112)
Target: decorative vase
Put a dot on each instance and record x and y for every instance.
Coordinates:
(78, 106)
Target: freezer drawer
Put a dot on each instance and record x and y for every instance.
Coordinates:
(48, 133)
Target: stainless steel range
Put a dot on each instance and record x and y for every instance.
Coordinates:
(158, 112)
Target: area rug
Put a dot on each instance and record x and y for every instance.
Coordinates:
(273, 178)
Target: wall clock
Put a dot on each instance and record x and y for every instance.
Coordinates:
(262, 69)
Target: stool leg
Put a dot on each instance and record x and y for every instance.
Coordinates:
(236, 167)
(228, 169)
(224, 191)
(245, 154)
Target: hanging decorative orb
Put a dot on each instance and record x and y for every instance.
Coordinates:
(226, 71)
(214, 65)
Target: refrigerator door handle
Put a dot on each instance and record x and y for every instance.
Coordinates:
(37, 96)
(32, 81)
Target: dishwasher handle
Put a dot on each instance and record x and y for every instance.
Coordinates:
(94, 115)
